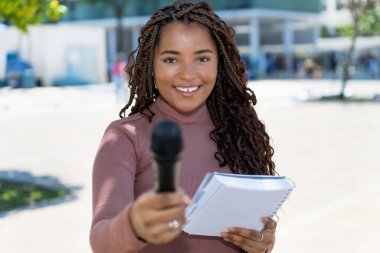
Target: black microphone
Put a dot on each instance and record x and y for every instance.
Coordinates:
(166, 146)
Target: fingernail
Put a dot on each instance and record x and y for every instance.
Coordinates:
(265, 219)
(186, 200)
(231, 229)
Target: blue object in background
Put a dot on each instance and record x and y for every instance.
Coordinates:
(18, 73)
(250, 69)
(3, 83)
(28, 78)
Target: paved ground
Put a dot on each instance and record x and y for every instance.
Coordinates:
(331, 150)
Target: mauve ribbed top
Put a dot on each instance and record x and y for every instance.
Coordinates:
(123, 170)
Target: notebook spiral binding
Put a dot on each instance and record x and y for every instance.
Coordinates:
(284, 199)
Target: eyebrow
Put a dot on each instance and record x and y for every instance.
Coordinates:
(196, 52)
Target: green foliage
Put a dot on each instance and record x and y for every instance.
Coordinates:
(345, 30)
(23, 13)
(325, 32)
(369, 24)
(13, 195)
(55, 11)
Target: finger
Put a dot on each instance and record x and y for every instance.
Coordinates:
(162, 233)
(249, 245)
(172, 199)
(166, 215)
(237, 240)
(162, 200)
(249, 238)
(248, 233)
(147, 221)
(270, 224)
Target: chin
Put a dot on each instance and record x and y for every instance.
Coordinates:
(186, 110)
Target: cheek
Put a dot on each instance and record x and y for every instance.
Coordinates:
(162, 78)
(211, 74)
(163, 73)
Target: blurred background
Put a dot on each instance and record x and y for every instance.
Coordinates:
(313, 64)
(78, 40)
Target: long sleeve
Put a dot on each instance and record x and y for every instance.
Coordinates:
(113, 193)
(123, 171)
(115, 235)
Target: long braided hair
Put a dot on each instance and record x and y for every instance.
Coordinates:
(241, 138)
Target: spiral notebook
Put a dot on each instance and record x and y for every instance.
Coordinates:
(224, 200)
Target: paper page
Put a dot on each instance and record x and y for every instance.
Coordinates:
(241, 203)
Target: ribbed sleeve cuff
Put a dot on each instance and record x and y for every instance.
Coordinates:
(115, 235)
(125, 234)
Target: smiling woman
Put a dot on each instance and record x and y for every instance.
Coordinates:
(186, 69)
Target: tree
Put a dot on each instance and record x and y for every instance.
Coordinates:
(23, 13)
(358, 9)
(55, 11)
(370, 22)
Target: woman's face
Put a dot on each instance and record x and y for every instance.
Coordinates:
(185, 65)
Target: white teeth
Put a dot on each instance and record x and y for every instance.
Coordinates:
(187, 89)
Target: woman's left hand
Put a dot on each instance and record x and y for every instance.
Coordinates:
(250, 240)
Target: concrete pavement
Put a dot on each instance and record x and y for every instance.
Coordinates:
(331, 151)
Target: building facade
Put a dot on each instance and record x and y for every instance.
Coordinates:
(264, 27)
(265, 30)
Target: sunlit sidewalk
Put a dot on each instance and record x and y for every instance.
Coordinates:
(329, 149)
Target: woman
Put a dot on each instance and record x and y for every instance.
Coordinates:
(188, 70)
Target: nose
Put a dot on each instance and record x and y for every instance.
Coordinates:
(187, 71)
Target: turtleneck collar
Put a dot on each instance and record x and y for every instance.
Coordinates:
(198, 117)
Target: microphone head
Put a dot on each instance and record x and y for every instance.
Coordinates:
(166, 140)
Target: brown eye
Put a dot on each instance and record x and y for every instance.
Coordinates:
(170, 60)
(204, 59)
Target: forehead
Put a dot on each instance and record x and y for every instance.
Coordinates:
(179, 34)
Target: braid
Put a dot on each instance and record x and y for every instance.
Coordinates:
(241, 138)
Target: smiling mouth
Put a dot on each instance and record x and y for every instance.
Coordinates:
(187, 89)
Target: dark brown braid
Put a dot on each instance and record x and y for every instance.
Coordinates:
(241, 138)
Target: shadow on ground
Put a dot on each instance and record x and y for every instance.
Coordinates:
(20, 176)
(348, 99)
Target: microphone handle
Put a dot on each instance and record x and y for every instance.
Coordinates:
(166, 176)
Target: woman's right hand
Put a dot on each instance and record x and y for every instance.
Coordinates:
(158, 217)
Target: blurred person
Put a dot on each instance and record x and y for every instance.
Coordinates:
(333, 64)
(119, 77)
(270, 68)
(187, 69)
(310, 69)
(309, 66)
(373, 67)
